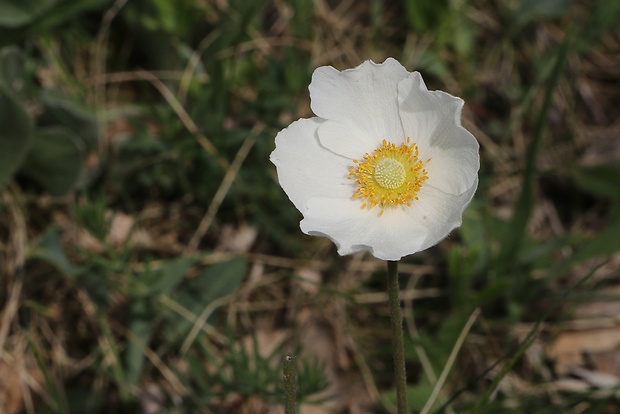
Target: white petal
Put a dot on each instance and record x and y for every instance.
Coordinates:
(439, 212)
(419, 110)
(305, 168)
(353, 229)
(433, 121)
(346, 139)
(452, 171)
(365, 96)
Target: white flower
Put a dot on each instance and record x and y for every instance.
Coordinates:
(385, 166)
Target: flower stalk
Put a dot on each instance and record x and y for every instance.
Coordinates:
(398, 347)
(290, 385)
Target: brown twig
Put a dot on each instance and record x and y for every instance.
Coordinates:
(221, 192)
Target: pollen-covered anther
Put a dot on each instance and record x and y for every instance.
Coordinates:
(392, 175)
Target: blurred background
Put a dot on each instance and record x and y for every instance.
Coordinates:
(150, 263)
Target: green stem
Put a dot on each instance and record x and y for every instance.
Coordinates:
(290, 385)
(400, 374)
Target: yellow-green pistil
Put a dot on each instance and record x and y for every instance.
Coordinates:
(392, 175)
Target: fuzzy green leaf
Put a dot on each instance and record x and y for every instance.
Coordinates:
(15, 134)
(55, 160)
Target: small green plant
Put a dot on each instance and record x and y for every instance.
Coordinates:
(47, 149)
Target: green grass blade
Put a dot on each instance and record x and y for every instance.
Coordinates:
(58, 406)
(523, 209)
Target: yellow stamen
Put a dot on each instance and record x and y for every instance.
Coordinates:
(392, 175)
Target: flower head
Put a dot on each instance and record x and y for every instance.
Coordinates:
(385, 166)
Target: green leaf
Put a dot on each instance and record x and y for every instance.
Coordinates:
(167, 277)
(82, 399)
(20, 18)
(215, 282)
(11, 68)
(141, 317)
(19, 13)
(430, 61)
(602, 180)
(73, 115)
(49, 249)
(55, 160)
(473, 229)
(605, 17)
(606, 242)
(462, 32)
(94, 279)
(219, 280)
(426, 15)
(541, 9)
(15, 134)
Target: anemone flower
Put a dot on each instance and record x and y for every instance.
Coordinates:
(384, 167)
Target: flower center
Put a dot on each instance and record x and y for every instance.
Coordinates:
(389, 173)
(392, 175)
